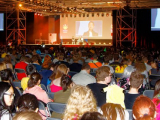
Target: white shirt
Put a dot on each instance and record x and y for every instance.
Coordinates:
(90, 34)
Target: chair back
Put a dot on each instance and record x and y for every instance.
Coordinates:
(53, 119)
(130, 114)
(44, 87)
(118, 75)
(153, 79)
(19, 91)
(17, 84)
(18, 70)
(149, 93)
(50, 95)
(41, 106)
(72, 73)
(56, 107)
(48, 88)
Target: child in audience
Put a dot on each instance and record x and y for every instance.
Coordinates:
(92, 116)
(114, 112)
(6, 100)
(80, 101)
(143, 109)
(35, 89)
(56, 78)
(27, 115)
(136, 80)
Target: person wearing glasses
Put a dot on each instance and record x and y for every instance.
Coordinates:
(6, 100)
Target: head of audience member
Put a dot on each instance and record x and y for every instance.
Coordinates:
(66, 82)
(2, 66)
(136, 80)
(129, 62)
(145, 59)
(35, 79)
(35, 59)
(116, 57)
(86, 67)
(46, 62)
(111, 111)
(52, 67)
(30, 69)
(59, 72)
(6, 97)
(140, 66)
(95, 57)
(27, 115)
(28, 60)
(103, 75)
(27, 102)
(157, 88)
(125, 61)
(106, 60)
(23, 58)
(154, 65)
(7, 59)
(92, 116)
(76, 58)
(143, 109)
(6, 76)
(61, 57)
(80, 101)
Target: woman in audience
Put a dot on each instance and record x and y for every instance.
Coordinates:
(7, 61)
(92, 116)
(56, 78)
(155, 68)
(6, 100)
(35, 89)
(63, 95)
(80, 101)
(7, 76)
(27, 102)
(114, 112)
(27, 115)
(143, 109)
(47, 61)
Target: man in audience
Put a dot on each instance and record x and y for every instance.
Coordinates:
(83, 77)
(21, 65)
(94, 63)
(148, 67)
(76, 67)
(128, 70)
(103, 77)
(61, 60)
(36, 63)
(136, 80)
(106, 63)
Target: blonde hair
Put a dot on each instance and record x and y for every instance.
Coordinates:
(2, 66)
(80, 101)
(61, 70)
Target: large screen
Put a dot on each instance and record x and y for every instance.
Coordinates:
(1, 21)
(155, 19)
(88, 27)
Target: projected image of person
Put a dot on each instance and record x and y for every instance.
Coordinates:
(90, 32)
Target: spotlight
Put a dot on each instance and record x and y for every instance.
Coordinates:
(20, 5)
(107, 14)
(35, 13)
(43, 45)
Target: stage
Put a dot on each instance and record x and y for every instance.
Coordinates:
(69, 45)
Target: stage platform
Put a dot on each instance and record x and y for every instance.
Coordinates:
(70, 45)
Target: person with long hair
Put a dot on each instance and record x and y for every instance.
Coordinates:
(47, 61)
(114, 112)
(92, 116)
(35, 89)
(80, 101)
(157, 90)
(143, 109)
(56, 78)
(6, 101)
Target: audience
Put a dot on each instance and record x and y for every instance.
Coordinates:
(36, 63)
(94, 63)
(83, 77)
(143, 109)
(7, 61)
(103, 77)
(47, 61)
(35, 89)
(75, 66)
(136, 81)
(56, 78)
(106, 63)
(6, 101)
(80, 101)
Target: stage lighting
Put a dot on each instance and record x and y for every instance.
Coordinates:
(107, 14)
(43, 45)
(20, 5)
(35, 13)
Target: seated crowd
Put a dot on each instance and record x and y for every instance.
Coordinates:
(92, 83)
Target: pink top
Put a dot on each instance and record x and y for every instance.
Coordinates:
(55, 88)
(39, 93)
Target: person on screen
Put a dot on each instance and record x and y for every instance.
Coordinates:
(90, 32)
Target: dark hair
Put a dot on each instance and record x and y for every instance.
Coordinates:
(7, 59)
(6, 75)
(92, 116)
(34, 58)
(4, 87)
(106, 59)
(65, 82)
(30, 69)
(33, 80)
(27, 102)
